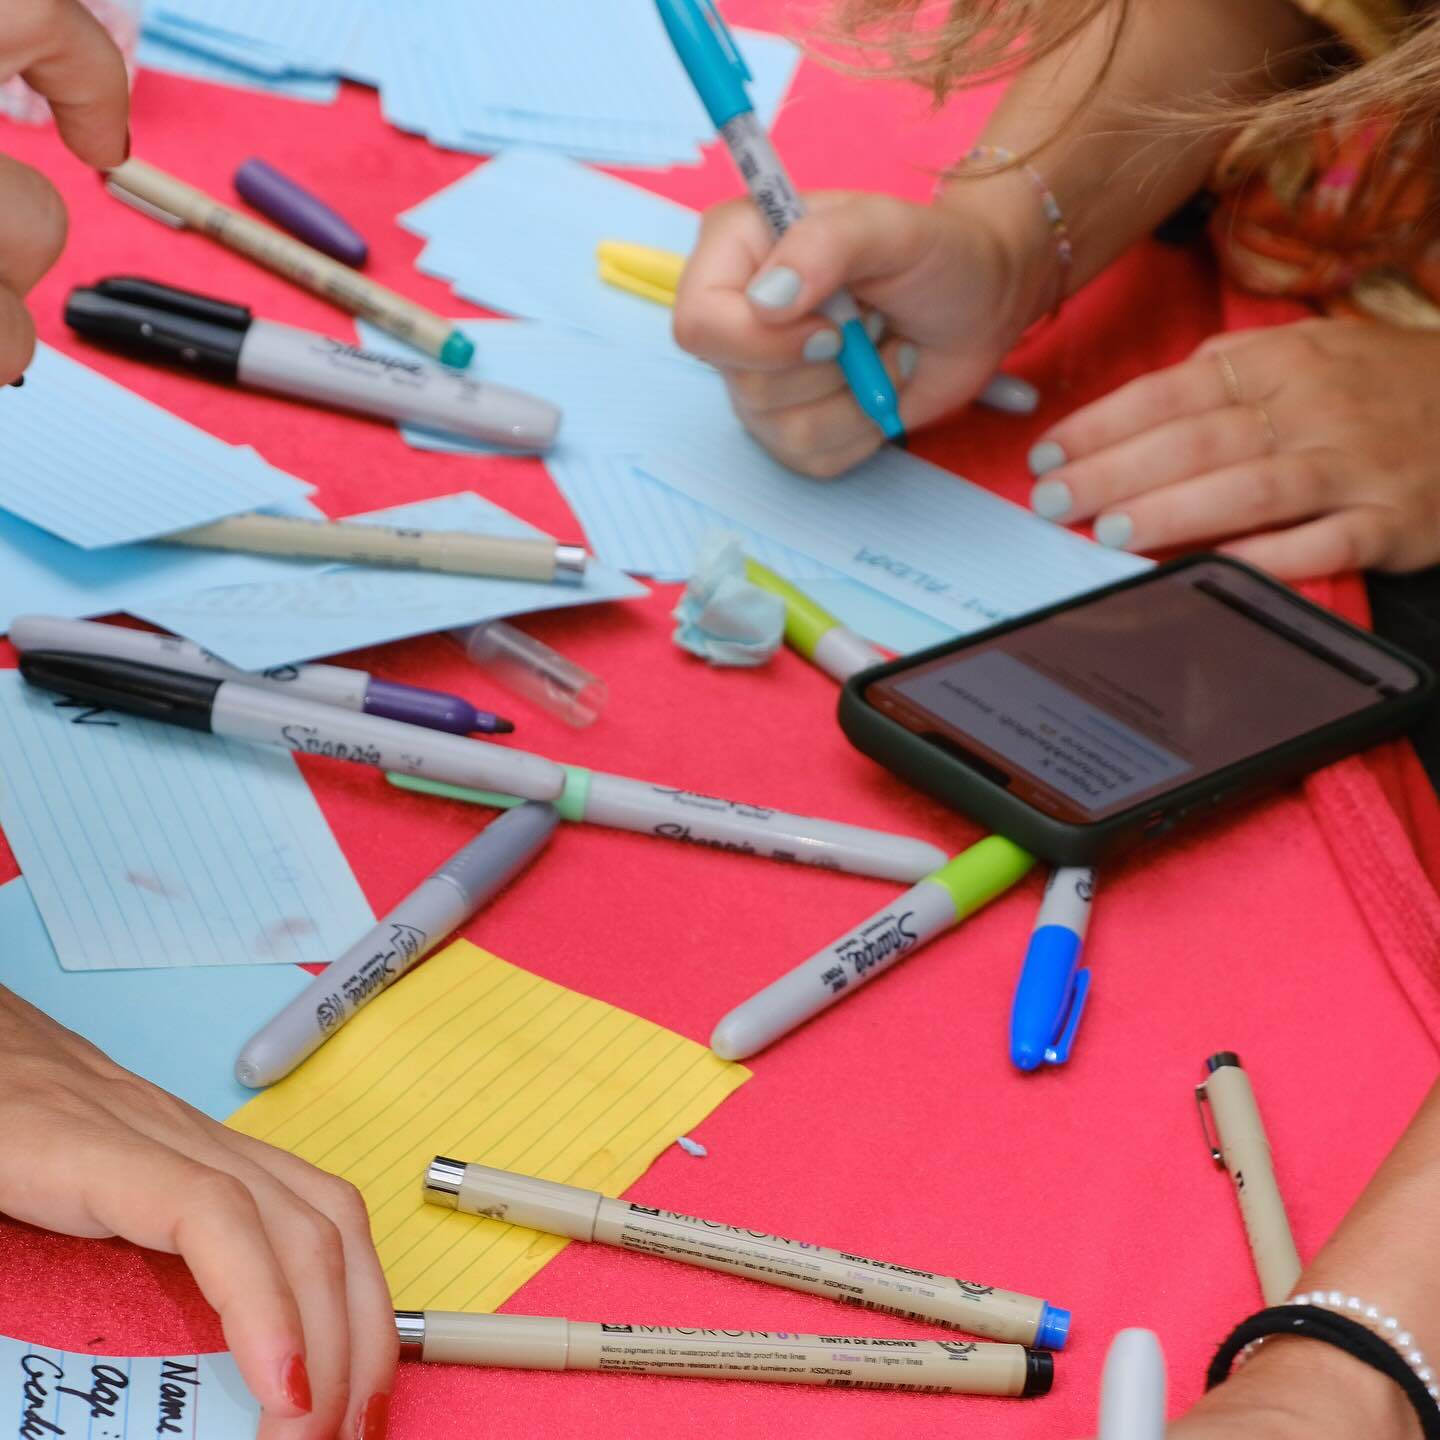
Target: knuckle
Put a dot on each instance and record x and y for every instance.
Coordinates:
(218, 1191)
(46, 220)
(345, 1205)
(688, 327)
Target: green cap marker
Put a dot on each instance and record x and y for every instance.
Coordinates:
(813, 631)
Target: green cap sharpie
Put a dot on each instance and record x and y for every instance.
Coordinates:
(716, 824)
(939, 902)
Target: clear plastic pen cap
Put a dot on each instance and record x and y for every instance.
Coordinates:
(531, 668)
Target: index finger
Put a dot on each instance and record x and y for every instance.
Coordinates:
(74, 64)
(714, 318)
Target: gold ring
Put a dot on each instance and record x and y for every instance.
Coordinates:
(1230, 378)
(1272, 438)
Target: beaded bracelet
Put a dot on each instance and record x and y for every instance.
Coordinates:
(1340, 1329)
(1387, 1327)
(1049, 206)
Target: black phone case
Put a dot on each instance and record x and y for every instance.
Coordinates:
(930, 768)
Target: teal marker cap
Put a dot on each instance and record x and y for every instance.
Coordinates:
(458, 350)
(710, 56)
(570, 805)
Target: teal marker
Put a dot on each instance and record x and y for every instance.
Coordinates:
(938, 903)
(715, 824)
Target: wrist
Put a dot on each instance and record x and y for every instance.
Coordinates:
(1006, 210)
(1307, 1387)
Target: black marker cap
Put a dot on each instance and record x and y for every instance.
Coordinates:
(200, 334)
(1039, 1373)
(149, 691)
(1221, 1060)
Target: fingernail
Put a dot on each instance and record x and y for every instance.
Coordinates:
(875, 326)
(775, 289)
(906, 359)
(1114, 530)
(1045, 457)
(1051, 499)
(18, 381)
(295, 1381)
(1011, 394)
(822, 345)
(128, 146)
(374, 1419)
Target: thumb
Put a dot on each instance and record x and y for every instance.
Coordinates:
(853, 239)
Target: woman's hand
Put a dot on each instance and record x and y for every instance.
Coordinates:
(281, 1250)
(64, 53)
(1309, 449)
(954, 288)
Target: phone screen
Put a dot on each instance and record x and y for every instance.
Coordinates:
(1116, 701)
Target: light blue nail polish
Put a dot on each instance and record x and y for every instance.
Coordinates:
(822, 345)
(1114, 530)
(1051, 499)
(1010, 395)
(775, 289)
(1045, 457)
(874, 326)
(906, 359)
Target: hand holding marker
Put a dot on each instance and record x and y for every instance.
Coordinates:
(708, 52)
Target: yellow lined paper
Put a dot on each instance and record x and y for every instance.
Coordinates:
(474, 1058)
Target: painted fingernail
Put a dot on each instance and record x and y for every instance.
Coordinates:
(295, 1381)
(1010, 394)
(822, 345)
(129, 146)
(374, 1419)
(17, 382)
(1114, 530)
(906, 359)
(1045, 457)
(875, 326)
(1051, 499)
(775, 289)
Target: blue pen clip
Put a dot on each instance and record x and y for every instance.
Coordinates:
(726, 39)
(1059, 1053)
(710, 56)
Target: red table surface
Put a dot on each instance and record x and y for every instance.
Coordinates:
(895, 1126)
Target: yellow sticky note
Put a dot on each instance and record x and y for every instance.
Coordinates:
(474, 1058)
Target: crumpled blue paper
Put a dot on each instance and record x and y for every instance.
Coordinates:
(723, 617)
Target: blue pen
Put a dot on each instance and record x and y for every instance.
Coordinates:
(1053, 989)
(718, 72)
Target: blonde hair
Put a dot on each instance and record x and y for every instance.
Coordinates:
(946, 45)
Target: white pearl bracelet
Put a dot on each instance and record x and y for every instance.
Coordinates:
(1387, 1327)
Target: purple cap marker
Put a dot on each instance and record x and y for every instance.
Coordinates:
(301, 213)
(434, 709)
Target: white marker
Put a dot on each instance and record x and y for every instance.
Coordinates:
(938, 903)
(1132, 1398)
(213, 337)
(246, 712)
(439, 905)
(731, 825)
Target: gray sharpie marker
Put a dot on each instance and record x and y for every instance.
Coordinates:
(443, 902)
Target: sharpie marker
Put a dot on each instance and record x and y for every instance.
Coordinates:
(716, 69)
(1050, 998)
(813, 631)
(731, 825)
(1132, 1398)
(844, 1362)
(404, 937)
(263, 716)
(326, 684)
(160, 323)
(938, 903)
(736, 1250)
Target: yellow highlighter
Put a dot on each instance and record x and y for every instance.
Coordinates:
(640, 270)
(654, 274)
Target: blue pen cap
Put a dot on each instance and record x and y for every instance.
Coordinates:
(708, 52)
(1054, 1328)
(1046, 1001)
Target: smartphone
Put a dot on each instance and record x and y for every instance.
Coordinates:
(1084, 728)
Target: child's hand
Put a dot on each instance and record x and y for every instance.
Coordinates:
(65, 54)
(1309, 449)
(280, 1249)
(953, 293)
